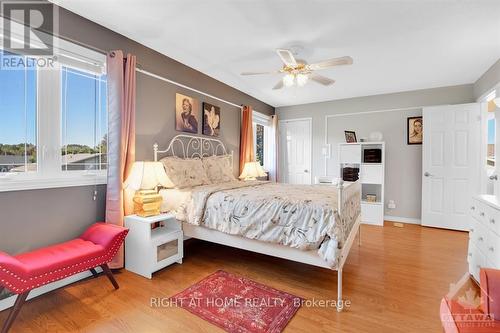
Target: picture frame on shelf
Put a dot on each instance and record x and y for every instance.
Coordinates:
(350, 137)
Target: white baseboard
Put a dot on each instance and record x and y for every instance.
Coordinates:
(409, 220)
(9, 301)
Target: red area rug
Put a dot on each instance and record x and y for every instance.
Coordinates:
(237, 304)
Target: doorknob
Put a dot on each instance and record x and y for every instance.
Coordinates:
(427, 174)
(306, 171)
(494, 177)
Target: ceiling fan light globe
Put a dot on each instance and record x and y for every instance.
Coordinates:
(302, 79)
(288, 80)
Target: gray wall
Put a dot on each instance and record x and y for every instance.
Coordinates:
(31, 219)
(35, 218)
(489, 80)
(403, 163)
(156, 117)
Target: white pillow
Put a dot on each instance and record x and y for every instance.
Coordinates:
(184, 173)
(219, 169)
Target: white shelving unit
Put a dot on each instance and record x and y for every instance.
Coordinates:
(371, 177)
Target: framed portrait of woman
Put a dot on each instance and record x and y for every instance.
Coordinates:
(415, 130)
(186, 114)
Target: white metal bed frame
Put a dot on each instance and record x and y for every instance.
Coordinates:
(190, 146)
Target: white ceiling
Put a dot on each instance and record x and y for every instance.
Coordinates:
(396, 45)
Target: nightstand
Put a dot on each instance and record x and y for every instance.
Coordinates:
(152, 243)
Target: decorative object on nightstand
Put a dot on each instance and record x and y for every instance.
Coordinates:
(144, 178)
(153, 243)
(252, 171)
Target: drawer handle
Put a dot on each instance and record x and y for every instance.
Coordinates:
(492, 221)
(482, 213)
(472, 208)
(480, 239)
(492, 249)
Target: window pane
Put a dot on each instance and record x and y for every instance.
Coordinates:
(259, 143)
(84, 120)
(18, 112)
(491, 140)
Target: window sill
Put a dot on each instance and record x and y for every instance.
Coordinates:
(16, 183)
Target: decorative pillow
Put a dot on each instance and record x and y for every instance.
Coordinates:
(183, 173)
(219, 169)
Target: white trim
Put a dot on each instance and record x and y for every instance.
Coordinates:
(354, 114)
(295, 119)
(401, 219)
(10, 183)
(9, 301)
(487, 92)
(186, 87)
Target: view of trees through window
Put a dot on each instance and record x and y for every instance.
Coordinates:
(259, 144)
(84, 119)
(18, 130)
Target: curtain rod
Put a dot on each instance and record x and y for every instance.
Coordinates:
(140, 70)
(184, 86)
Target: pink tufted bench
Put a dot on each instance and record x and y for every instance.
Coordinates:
(96, 247)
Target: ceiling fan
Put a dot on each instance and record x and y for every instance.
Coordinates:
(299, 72)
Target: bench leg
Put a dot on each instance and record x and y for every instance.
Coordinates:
(94, 272)
(110, 276)
(21, 298)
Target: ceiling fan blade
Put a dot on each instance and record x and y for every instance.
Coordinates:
(331, 63)
(321, 79)
(278, 85)
(287, 57)
(259, 73)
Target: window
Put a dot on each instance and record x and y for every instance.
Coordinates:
(53, 130)
(84, 122)
(18, 137)
(491, 130)
(264, 142)
(259, 143)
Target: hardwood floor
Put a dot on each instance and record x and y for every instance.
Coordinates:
(394, 280)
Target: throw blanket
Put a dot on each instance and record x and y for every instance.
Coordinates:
(300, 216)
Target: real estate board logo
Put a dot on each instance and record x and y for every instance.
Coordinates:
(28, 33)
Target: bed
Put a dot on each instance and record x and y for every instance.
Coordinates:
(311, 224)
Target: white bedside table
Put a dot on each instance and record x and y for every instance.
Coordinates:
(149, 250)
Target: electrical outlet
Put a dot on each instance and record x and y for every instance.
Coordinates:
(95, 195)
(391, 204)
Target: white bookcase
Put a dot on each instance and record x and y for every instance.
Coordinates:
(371, 177)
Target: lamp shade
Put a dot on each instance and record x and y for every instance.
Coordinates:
(252, 170)
(146, 176)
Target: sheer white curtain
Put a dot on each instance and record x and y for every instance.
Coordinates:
(270, 151)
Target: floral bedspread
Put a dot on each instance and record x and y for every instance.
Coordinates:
(300, 216)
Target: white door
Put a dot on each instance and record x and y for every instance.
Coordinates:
(295, 151)
(451, 164)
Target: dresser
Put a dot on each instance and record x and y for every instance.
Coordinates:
(484, 234)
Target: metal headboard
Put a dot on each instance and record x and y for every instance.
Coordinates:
(190, 146)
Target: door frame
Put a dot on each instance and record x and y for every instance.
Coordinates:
(281, 151)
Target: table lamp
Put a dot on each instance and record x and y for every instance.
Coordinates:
(144, 178)
(252, 170)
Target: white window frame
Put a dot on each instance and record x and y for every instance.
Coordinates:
(49, 172)
(266, 121)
